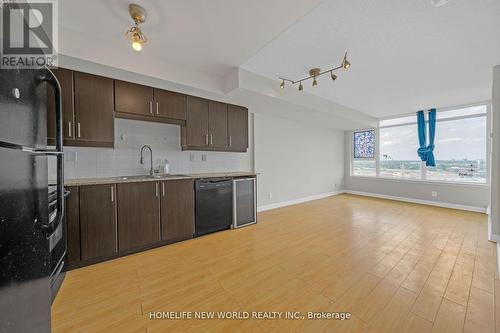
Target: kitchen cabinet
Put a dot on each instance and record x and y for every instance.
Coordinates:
(170, 105)
(98, 224)
(138, 214)
(73, 226)
(65, 78)
(237, 128)
(195, 133)
(133, 98)
(135, 101)
(177, 209)
(217, 125)
(94, 110)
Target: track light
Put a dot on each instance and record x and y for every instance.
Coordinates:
(345, 63)
(316, 72)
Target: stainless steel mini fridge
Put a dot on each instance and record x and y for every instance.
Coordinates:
(244, 202)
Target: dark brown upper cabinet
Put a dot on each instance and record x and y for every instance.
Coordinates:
(177, 209)
(65, 78)
(237, 128)
(138, 214)
(135, 101)
(217, 125)
(212, 125)
(94, 118)
(170, 105)
(98, 221)
(87, 105)
(195, 133)
(133, 98)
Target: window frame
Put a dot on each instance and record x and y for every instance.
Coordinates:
(423, 168)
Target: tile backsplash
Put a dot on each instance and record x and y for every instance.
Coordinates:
(164, 139)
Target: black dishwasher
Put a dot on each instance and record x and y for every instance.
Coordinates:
(214, 205)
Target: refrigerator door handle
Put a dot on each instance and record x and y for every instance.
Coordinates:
(47, 76)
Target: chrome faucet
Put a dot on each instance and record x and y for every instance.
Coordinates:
(151, 158)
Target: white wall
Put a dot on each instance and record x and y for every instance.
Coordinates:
(495, 158)
(473, 196)
(296, 160)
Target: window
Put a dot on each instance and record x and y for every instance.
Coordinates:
(364, 153)
(364, 144)
(460, 152)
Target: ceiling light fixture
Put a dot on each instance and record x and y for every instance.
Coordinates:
(315, 73)
(135, 34)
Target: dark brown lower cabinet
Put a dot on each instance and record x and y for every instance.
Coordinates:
(73, 226)
(98, 221)
(177, 209)
(138, 214)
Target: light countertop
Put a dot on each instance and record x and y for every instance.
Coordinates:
(146, 178)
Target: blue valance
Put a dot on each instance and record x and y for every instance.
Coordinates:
(426, 151)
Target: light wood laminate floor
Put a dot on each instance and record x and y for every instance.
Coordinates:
(396, 267)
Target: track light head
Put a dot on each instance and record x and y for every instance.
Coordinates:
(315, 83)
(333, 76)
(282, 85)
(345, 63)
(301, 87)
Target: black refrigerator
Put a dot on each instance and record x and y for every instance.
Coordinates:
(25, 227)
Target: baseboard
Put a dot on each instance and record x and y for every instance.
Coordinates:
(419, 201)
(297, 201)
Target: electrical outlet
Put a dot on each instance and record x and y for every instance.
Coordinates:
(204, 157)
(434, 194)
(270, 195)
(191, 157)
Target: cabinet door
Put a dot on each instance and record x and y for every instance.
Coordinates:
(237, 126)
(73, 225)
(133, 98)
(217, 124)
(98, 221)
(197, 122)
(65, 78)
(177, 209)
(94, 109)
(170, 104)
(138, 214)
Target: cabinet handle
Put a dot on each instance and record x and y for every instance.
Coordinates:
(157, 108)
(69, 128)
(156, 189)
(151, 107)
(211, 140)
(230, 141)
(163, 189)
(206, 139)
(79, 130)
(112, 194)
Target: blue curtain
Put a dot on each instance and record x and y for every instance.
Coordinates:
(426, 151)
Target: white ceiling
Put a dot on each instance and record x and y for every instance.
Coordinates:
(406, 54)
(209, 36)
